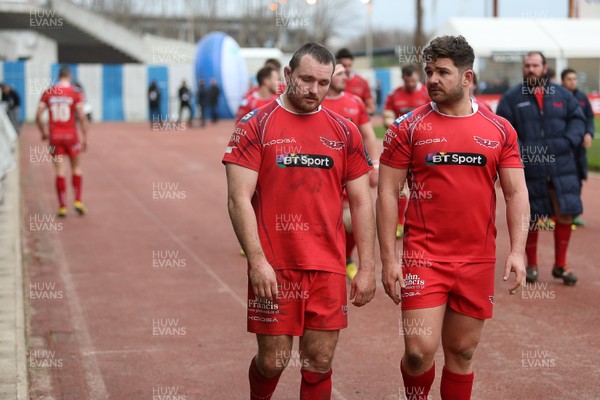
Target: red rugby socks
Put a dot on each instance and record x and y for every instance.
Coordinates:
(350, 243)
(417, 387)
(77, 186)
(456, 386)
(315, 385)
(531, 247)
(402, 204)
(261, 388)
(61, 190)
(562, 234)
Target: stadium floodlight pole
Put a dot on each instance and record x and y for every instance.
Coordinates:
(369, 39)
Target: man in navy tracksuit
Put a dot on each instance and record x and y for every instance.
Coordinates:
(550, 125)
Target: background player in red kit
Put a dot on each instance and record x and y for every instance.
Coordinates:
(473, 90)
(267, 79)
(64, 102)
(352, 108)
(405, 98)
(276, 65)
(356, 84)
(452, 152)
(401, 101)
(287, 165)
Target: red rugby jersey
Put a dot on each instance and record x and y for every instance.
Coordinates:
(358, 86)
(400, 101)
(252, 102)
(452, 166)
(62, 101)
(303, 163)
(348, 106)
(280, 88)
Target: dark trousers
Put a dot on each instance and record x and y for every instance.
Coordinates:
(202, 116)
(213, 113)
(181, 107)
(154, 115)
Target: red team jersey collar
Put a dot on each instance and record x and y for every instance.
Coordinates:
(474, 107)
(339, 96)
(282, 105)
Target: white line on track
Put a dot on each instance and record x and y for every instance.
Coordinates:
(337, 395)
(174, 237)
(93, 375)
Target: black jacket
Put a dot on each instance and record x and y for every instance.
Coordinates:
(548, 140)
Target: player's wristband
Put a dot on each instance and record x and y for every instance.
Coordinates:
(375, 164)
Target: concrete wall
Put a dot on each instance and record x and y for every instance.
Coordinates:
(15, 45)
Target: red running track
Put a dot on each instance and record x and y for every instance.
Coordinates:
(145, 296)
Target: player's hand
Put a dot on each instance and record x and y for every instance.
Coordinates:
(44, 136)
(515, 263)
(362, 289)
(263, 280)
(391, 274)
(84, 145)
(587, 140)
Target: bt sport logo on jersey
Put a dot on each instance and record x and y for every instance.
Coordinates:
(304, 161)
(448, 158)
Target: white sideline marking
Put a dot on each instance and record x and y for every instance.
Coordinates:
(204, 264)
(93, 376)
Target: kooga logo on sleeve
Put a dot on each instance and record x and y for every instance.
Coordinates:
(447, 158)
(304, 161)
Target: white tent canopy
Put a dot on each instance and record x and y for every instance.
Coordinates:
(556, 37)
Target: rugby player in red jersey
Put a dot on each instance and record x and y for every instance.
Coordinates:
(401, 101)
(473, 89)
(352, 108)
(267, 79)
(451, 151)
(276, 65)
(287, 165)
(64, 103)
(405, 98)
(356, 84)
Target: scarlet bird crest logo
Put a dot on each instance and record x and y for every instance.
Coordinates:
(490, 144)
(332, 144)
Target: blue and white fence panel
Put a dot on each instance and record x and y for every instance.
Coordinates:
(118, 92)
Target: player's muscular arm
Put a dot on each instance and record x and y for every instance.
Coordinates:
(40, 122)
(374, 149)
(84, 124)
(370, 105)
(387, 218)
(241, 184)
(517, 217)
(363, 221)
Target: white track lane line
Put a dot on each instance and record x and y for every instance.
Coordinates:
(200, 261)
(93, 375)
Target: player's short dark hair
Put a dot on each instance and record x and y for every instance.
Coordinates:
(64, 71)
(533, 53)
(316, 51)
(263, 73)
(274, 63)
(408, 70)
(566, 72)
(455, 48)
(344, 53)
